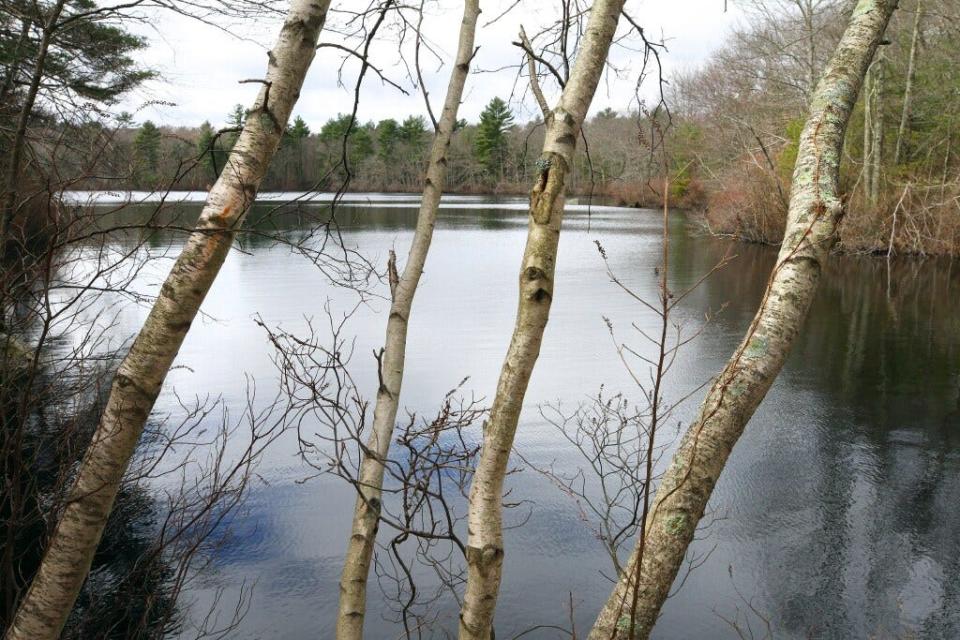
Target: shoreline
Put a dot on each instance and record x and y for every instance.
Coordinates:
(390, 200)
(453, 200)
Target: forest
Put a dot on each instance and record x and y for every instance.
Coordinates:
(734, 129)
(718, 398)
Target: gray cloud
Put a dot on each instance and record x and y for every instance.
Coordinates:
(201, 65)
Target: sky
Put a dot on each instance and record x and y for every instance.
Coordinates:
(199, 65)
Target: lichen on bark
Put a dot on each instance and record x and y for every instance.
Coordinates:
(814, 210)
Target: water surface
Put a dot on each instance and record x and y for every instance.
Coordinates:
(835, 518)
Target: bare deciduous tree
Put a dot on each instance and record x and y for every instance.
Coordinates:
(563, 123)
(908, 85)
(403, 287)
(815, 207)
(137, 383)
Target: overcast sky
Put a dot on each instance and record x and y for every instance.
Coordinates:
(200, 65)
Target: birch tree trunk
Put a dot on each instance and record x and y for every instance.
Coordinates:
(876, 121)
(66, 562)
(815, 207)
(366, 517)
(908, 88)
(484, 521)
(867, 132)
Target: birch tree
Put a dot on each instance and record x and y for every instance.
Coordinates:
(815, 207)
(908, 88)
(403, 288)
(875, 105)
(485, 520)
(139, 378)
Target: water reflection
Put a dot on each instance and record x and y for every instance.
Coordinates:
(836, 511)
(839, 495)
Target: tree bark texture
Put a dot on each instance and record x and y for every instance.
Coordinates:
(137, 383)
(815, 207)
(353, 579)
(536, 283)
(876, 121)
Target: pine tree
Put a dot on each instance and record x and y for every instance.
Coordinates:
(490, 144)
(235, 120)
(210, 150)
(146, 148)
(413, 132)
(293, 138)
(359, 145)
(299, 129)
(388, 137)
(60, 62)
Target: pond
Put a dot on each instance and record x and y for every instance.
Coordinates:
(836, 516)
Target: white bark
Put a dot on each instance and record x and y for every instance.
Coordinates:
(876, 122)
(908, 88)
(485, 527)
(66, 562)
(867, 132)
(815, 207)
(353, 580)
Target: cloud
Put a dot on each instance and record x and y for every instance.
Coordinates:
(200, 65)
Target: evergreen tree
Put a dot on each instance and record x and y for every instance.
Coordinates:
(235, 120)
(413, 132)
(361, 142)
(359, 145)
(80, 61)
(605, 114)
(293, 138)
(146, 147)
(388, 137)
(490, 144)
(298, 130)
(211, 150)
(90, 61)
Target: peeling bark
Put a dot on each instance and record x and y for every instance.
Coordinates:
(66, 562)
(485, 550)
(353, 579)
(815, 208)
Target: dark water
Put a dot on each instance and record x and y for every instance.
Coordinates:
(836, 516)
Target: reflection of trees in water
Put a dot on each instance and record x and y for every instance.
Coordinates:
(59, 307)
(268, 221)
(890, 355)
(873, 551)
(159, 537)
(131, 591)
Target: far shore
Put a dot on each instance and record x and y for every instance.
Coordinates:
(513, 202)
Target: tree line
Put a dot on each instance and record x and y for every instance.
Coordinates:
(493, 155)
(741, 114)
(735, 123)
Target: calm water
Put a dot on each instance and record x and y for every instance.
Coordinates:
(836, 516)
